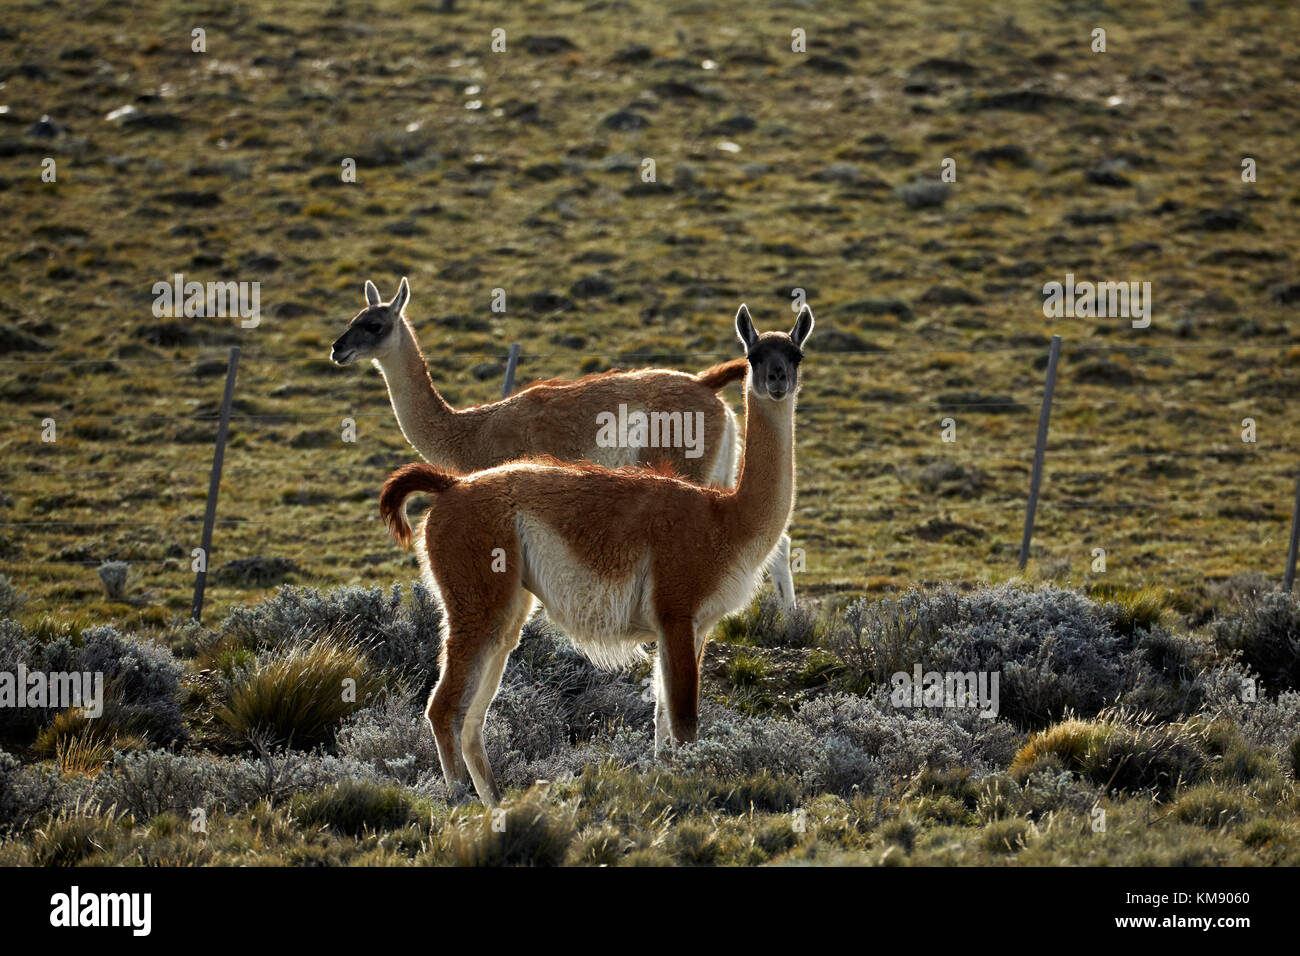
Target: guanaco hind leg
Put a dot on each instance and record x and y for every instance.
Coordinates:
(488, 681)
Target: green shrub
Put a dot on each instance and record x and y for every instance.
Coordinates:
(602, 845)
(141, 679)
(1054, 649)
(526, 832)
(72, 836)
(1005, 835)
(747, 670)
(355, 807)
(1210, 805)
(395, 635)
(11, 599)
(297, 694)
(1134, 611)
(762, 792)
(765, 623)
(695, 843)
(1119, 752)
(1266, 633)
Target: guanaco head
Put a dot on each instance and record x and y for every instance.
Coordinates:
(774, 356)
(370, 334)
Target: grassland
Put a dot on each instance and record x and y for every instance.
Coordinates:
(775, 171)
(229, 169)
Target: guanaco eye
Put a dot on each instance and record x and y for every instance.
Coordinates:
(374, 327)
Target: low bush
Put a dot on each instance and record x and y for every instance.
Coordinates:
(1120, 752)
(141, 681)
(148, 783)
(25, 792)
(1055, 650)
(11, 599)
(301, 692)
(529, 833)
(355, 807)
(113, 575)
(1265, 632)
(395, 635)
(765, 623)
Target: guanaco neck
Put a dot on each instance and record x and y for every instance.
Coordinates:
(423, 415)
(764, 494)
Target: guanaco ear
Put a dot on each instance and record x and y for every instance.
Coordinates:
(372, 294)
(802, 326)
(745, 328)
(402, 297)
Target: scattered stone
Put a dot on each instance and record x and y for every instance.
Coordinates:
(546, 301)
(260, 262)
(647, 189)
(314, 438)
(1109, 174)
(636, 53)
(1104, 372)
(625, 120)
(1286, 294)
(256, 572)
(44, 128)
(949, 479)
(1223, 219)
(942, 66)
(840, 340)
(980, 403)
(547, 44)
(924, 194)
(844, 173)
(826, 64)
(948, 295)
(14, 339)
(936, 529)
(1022, 101)
(591, 286)
(740, 123)
(1007, 153)
(568, 341)
(166, 334)
(405, 228)
(1092, 217)
(210, 368)
(166, 122)
(895, 307)
(544, 172)
(191, 199)
(750, 58)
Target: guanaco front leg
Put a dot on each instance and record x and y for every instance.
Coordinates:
(680, 680)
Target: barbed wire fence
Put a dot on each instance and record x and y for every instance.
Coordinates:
(223, 414)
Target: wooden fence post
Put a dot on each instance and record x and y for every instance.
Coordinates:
(511, 362)
(1295, 541)
(214, 483)
(1044, 418)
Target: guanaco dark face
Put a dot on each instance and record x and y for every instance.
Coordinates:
(370, 332)
(774, 356)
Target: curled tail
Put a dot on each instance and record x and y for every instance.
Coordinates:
(724, 374)
(403, 483)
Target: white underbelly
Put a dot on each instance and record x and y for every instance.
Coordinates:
(607, 620)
